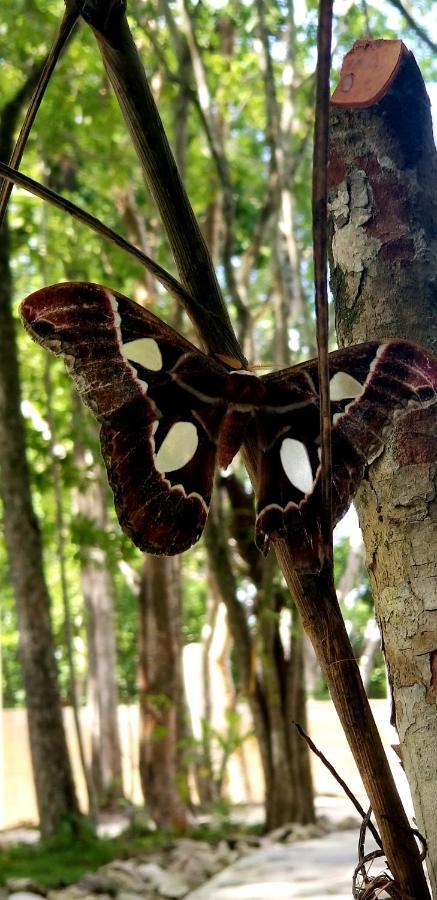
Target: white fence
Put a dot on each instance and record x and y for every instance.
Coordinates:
(244, 782)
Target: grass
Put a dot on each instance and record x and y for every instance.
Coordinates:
(64, 860)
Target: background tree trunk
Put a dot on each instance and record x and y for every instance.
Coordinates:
(55, 791)
(160, 690)
(98, 593)
(272, 681)
(383, 201)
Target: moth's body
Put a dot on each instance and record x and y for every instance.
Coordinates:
(169, 413)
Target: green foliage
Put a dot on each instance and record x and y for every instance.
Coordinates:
(65, 860)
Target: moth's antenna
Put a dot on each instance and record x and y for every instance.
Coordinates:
(66, 27)
(320, 163)
(34, 187)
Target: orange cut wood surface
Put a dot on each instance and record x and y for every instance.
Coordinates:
(367, 72)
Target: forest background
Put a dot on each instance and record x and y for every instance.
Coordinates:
(234, 84)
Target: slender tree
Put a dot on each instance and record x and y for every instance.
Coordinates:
(160, 689)
(98, 594)
(55, 790)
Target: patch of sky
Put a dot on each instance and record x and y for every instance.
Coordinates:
(220, 272)
(293, 339)
(349, 527)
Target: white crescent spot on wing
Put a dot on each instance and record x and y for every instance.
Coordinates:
(144, 351)
(117, 325)
(296, 464)
(344, 387)
(177, 448)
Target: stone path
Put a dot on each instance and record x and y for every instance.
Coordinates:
(318, 869)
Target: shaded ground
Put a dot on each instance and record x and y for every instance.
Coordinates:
(314, 869)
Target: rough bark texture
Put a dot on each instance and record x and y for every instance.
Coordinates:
(383, 214)
(54, 785)
(160, 691)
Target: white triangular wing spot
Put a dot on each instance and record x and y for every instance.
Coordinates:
(296, 464)
(344, 387)
(144, 351)
(335, 418)
(177, 448)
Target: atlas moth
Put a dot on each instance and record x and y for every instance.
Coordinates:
(169, 414)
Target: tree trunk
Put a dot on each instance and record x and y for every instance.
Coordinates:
(74, 698)
(268, 679)
(383, 202)
(296, 711)
(98, 593)
(160, 691)
(55, 791)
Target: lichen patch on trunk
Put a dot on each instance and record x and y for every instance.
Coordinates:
(352, 248)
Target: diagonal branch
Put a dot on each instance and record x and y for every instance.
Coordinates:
(213, 132)
(207, 308)
(34, 187)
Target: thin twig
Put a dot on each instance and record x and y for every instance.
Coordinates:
(381, 882)
(66, 27)
(320, 162)
(362, 838)
(340, 780)
(45, 193)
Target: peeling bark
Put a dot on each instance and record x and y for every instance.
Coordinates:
(383, 210)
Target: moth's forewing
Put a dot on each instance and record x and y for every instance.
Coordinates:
(157, 398)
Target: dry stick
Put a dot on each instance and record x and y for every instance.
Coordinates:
(323, 622)
(320, 243)
(340, 780)
(45, 193)
(314, 595)
(66, 27)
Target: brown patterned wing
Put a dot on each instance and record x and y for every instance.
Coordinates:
(158, 400)
(370, 385)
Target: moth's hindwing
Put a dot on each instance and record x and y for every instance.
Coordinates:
(158, 400)
(370, 384)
